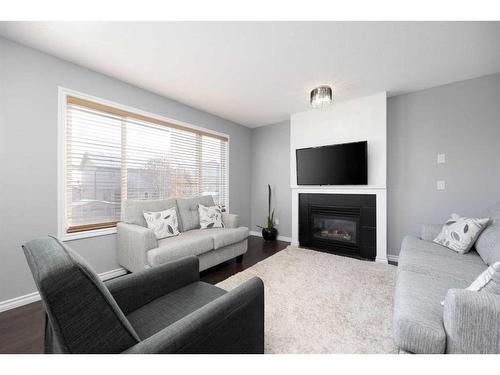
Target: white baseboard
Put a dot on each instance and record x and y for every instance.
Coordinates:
(19, 301)
(35, 296)
(112, 274)
(393, 258)
(280, 238)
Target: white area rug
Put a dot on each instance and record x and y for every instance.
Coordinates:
(322, 303)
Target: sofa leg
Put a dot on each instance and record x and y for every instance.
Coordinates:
(239, 258)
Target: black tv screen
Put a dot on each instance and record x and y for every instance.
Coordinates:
(342, 164)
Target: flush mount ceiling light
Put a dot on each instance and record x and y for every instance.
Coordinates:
(321, 96)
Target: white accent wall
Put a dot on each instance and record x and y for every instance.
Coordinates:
(363, 119)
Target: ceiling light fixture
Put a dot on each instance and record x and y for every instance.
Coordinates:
(321, 96)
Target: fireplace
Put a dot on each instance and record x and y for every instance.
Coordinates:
(339, 223)
(335, 226)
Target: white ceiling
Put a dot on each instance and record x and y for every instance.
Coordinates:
(258, 73)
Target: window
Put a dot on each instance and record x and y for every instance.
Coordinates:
(112, 154)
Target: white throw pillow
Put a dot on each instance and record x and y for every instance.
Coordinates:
(210, 217)
(488, 281)
(163, 223)
(460, 233)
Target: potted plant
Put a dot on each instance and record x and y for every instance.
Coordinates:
(269, 233)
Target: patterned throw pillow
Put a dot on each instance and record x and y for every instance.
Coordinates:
(488, 281)
(210, 217)
(164, 223)
(460, 233)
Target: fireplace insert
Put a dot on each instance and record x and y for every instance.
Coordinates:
(334, 226)
(339, 223)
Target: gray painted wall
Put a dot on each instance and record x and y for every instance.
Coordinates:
(29, 82)
(271, 165)
(461, 120)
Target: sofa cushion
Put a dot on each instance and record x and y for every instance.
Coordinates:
(459, 233)
(210, 217)
(426, 271)
(132, 210)
(418, 314)
(188, 211)
(193, 242)
(171, 307)
(227, 236)
(163, 223)
(432, 259)
(488, 243)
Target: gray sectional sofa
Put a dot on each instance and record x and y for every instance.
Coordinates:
(138, 247)
(428, 273)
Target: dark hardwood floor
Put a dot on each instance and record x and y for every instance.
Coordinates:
(21, 329)
(258, 249)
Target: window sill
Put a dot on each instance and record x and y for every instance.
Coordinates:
(87, 234)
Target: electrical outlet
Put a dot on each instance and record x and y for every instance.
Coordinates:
(441, 185)
(441, 158)
(277, 221)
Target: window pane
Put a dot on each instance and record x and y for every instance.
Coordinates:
(184, 157)
(213, 170)
(93, 167)
(113, 155)
(161, 162)
(147, 161)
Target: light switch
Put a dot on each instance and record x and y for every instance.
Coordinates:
(441, 185)
(277, 221)
(441, 158)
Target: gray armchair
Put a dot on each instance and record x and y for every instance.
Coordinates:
(165, 309)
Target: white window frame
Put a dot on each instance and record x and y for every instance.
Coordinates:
(63, 93)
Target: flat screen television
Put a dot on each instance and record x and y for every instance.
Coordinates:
(341, 164)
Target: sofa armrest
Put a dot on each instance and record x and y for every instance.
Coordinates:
(233, 323)
(139, 288)
(430, 231)
(472, 322)
(134, 242)
(230, 220)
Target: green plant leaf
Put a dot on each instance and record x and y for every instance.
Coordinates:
(269, 195)
(270, 214)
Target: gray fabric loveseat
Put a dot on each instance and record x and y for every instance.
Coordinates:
(138, 247)
(428, 273)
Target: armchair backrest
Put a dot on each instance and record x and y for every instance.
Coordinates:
(83, 315)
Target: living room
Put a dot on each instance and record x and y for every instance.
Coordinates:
(265, 187)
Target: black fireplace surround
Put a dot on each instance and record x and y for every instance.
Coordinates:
(339, 223)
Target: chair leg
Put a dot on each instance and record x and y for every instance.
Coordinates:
(239, 258)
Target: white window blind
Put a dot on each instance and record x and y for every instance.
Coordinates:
(113, 155)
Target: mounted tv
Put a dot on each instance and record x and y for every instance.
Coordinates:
(341, 164)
